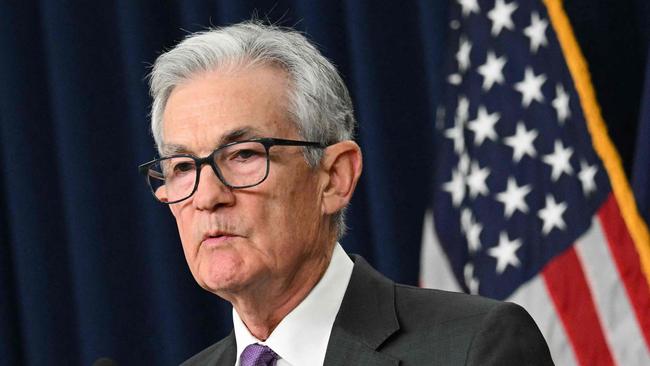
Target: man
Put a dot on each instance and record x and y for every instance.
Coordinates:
(254, 128)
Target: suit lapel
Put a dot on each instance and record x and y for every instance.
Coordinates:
(223, 352)
(366, 319)
(226, 353)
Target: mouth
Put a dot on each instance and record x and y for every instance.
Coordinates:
(217, 239)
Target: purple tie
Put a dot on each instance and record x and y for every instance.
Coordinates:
(258, 355)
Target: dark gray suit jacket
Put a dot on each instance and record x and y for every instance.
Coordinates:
(381, 323)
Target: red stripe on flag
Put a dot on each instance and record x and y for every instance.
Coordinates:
(570, 293)
(627, 262)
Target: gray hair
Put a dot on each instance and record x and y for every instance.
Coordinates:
(319, 102)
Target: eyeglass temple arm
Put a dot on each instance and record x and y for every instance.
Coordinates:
(283, 142)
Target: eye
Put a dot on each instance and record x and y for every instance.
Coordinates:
(182, 168)
(244, 154)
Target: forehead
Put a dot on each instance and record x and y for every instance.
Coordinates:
(213, 107)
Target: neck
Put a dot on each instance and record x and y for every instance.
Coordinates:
(262, 309)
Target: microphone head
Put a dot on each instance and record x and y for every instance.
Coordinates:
(104, 361)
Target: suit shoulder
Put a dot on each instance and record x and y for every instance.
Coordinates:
(509, 335)
(470, 329)
(213, 353)
(441, 306)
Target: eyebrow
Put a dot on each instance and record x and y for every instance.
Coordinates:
(243, 133)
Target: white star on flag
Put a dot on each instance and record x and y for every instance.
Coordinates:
(561, 104)
(513, 198)
(455, 187)
(505, 252)
(456, 133)
(492, 70)
(466, 219)
(471, 281)
(536, 32)
(454, 79)
(501, 16)
(462, 111)
(463, 163)
(559, 160)
(586, 176)
(483, 126)
(551, 215)
(531, 87)
(522, 142)
(462, 56)
(469, 7)
(476, 181)
(473, 236)
(472, 229)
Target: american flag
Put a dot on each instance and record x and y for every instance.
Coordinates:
(530, 201)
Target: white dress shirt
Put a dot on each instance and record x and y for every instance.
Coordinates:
(301, 337)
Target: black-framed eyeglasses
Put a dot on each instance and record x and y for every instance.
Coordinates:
(239, 164)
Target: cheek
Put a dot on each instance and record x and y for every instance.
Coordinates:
(293, 211)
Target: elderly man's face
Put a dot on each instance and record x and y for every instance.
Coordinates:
(235, 240)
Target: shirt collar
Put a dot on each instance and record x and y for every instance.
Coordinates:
(301, 337)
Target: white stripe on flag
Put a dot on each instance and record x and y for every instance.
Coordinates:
(435, 271)
(534, 297)
(614, 309)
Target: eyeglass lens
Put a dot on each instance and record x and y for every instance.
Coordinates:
(241, 165)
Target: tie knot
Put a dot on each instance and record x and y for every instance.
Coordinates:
(258, 355)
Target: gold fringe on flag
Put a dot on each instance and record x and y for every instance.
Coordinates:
(598, 129)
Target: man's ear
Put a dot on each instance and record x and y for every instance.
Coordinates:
(341, 164)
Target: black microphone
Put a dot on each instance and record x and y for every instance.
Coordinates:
(104, 361)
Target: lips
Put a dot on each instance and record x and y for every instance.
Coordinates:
(217, 238)
(217, 234)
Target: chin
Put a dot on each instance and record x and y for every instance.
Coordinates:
(221, 273)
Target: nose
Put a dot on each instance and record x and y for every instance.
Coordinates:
(211, 192)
